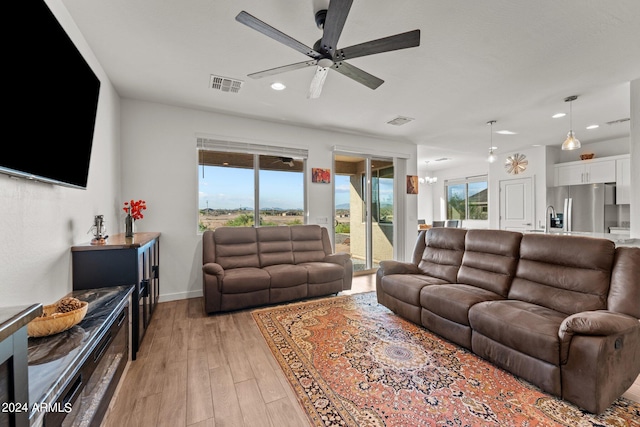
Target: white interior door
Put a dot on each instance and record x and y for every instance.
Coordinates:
(516, 204)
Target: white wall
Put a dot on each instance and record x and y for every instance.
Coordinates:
(159, 165)
(40, 222)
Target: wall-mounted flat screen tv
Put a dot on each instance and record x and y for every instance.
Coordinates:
(53, 100)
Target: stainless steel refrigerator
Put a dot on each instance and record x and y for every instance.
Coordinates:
(586, 207)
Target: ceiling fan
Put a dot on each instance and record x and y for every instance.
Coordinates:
(325, 55)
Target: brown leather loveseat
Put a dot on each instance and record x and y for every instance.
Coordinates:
(247, 267)
(559, 311)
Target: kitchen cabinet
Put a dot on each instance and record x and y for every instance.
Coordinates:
(585, 172)
(623, 181)
(123, 261)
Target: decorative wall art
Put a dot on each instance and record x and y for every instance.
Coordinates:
(319, 175)
(412, 184)
(516, 164)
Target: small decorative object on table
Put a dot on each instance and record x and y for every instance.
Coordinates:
(587, 156)
(58, 317)
(99, 229)
(134, 211)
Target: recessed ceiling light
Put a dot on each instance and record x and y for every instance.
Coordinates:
(506, 132)
(593, 127)
(558, 115)
(536, 145)
(278, 86)
(493, 148)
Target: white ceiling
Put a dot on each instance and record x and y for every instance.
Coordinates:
(504, 60)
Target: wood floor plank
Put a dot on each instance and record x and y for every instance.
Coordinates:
(236, 354)
(266, 377)
(285, 413)
(179, 343)
(226, 406)
(254, 410)
(145, 412)
(199, 399)
(173, 405)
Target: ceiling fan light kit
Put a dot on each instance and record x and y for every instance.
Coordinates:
(325, 55)
(571, 143)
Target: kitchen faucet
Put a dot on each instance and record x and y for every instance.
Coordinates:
(546, 218)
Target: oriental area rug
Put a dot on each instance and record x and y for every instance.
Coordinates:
(352, 362)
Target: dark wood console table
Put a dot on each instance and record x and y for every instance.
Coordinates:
(123, 261)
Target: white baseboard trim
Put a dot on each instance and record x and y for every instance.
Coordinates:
(180, 295)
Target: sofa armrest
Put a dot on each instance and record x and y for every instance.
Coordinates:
(338, 258)
(594, 323)
(213, 269)
(600, 353)
(397, 267)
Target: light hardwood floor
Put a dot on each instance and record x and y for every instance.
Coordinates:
(204, 371)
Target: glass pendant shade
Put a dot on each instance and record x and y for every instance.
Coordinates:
(492, 156)
(571, 143)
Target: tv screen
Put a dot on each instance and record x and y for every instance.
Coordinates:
(53, 100)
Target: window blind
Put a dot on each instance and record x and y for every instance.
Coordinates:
(251, 148)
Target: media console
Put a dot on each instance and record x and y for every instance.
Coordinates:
(123, 261)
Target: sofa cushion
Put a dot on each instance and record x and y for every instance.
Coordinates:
(454, 301)
(274, 245)
(236, 247)
(285, 275)
(322, 272)
(443, 253)
(568, 274)
(407, 287)
(307, 245)
(528, 328)
(490, 259)
(247, 279)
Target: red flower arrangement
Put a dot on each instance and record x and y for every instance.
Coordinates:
(135, 208)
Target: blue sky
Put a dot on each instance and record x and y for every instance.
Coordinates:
(232, 188)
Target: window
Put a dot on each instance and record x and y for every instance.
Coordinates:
(467, 198)
(239, 189)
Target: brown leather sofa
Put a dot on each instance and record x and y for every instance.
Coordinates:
(559, 311)
(247, 267)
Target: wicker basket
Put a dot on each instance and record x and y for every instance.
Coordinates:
(53, 322)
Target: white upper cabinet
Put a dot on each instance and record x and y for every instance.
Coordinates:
(623, 181)
(585, 172)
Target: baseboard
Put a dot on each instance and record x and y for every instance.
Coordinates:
(179, 296)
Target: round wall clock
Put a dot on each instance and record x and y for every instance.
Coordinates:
(516, 164)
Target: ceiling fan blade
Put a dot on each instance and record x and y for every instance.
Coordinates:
(358, 75)
(315, 89)
(386, 44)
(264, 28)
(283, 69)
(334, 23)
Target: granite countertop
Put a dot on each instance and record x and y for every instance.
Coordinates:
(618, 239)
(14, 318)
(54, 360)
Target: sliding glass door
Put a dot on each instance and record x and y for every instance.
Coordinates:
(364, 209)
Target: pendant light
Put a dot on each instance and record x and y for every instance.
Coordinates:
(571, 143)
(492, 156)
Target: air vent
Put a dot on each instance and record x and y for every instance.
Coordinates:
(442, 159)
(225, 84)
(616, 122)
(400, 120)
